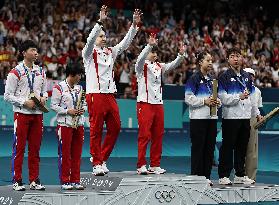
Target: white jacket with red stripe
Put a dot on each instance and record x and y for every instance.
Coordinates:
(17, 89)
(149, 76)
(62, 100)
(98, 62)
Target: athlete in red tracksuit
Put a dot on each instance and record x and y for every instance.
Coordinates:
(100, 88)
(150, 109)
(64, 102)
(24, 79)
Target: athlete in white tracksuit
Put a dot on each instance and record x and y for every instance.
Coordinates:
(100, 88)
(24, 79)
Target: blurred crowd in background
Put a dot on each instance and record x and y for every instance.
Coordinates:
(60, 28)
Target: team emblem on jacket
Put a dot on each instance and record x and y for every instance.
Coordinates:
(107, 51)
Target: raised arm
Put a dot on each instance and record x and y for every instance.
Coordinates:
(125, 43)
(175, 63)
(88, 48)
(152, 41)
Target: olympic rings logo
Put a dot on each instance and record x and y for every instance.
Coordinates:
(164, 196)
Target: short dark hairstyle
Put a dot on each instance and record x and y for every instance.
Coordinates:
(233, 50)
(26, 45)
(73, 69)
(201, 56)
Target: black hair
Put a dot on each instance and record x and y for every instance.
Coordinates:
(201, 56)
(233, 50)
(73, 69)
(26, 45)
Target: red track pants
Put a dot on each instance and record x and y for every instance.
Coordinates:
(102, 108)
(27, 127)
(70, 143)
(151, 128)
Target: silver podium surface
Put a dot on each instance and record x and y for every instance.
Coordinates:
(123, 188)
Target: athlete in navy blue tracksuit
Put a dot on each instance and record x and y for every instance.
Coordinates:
(203, 126)
(237, 94)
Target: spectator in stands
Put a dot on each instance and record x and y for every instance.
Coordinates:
(63, 25)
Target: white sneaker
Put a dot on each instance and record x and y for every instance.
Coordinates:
(67, 186)
(98, 170)
(243, 180)
(91, 159)
(156, 170)
(104, 166)
(142, 170)
(77, 186)
(36, 185)
(209, 182)
(225, 181)
(18, 186)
